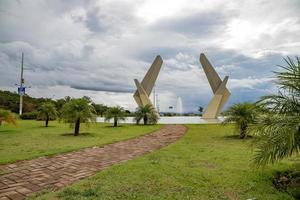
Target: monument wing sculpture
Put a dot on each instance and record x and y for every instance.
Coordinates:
(221, 93)
(141, 95)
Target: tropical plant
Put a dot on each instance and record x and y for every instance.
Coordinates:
(76, 111)
(47, 111)
(279, 130)
(100, 109)
(147, 113)
(7, 116)
(242, 114)
(116, 113)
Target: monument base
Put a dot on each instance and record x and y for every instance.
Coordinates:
(174, 120)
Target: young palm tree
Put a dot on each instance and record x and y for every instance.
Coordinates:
(100, 109)
(279, 130)
(76, 111)
(7, 116)
(47, 111)
(117, 113)
(242, 114)
(147, 113)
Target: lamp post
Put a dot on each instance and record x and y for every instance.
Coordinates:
(21, 89)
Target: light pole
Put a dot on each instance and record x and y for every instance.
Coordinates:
(21, 89)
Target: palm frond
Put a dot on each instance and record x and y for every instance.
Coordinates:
(278, 137)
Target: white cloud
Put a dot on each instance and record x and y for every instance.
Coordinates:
(249, 83)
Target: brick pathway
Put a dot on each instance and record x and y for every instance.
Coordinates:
(20, 179)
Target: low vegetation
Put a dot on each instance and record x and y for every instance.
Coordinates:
(47, 111)
(78, 111)
(7, 116)
(242, 114)
(116, 113)
(146, 113)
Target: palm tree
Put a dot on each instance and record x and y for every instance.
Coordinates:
(100, 109)
(147, 113)
(279, 130)
(242, 114)
(117, 113)
(76, 111)
(7, 116)
(47, 111)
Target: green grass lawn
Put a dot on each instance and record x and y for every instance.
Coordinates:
(205, 164)
(31, 139)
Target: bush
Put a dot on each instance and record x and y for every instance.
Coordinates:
(29, 115)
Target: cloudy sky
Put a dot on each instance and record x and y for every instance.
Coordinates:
(96, 48)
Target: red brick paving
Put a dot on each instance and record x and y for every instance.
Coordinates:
(20, 179)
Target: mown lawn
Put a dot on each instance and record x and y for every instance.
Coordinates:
(205, 164)
(31, 139)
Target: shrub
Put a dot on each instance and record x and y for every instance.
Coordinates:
(29, 115)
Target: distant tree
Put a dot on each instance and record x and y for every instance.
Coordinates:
(59, 103)
(7, 116)
(242, 114)
(10, 101)
(127, 112)
(200, 109)
(47, 111)
(116, 113)
(88, 99)
(76, 111)
(100, 109)
(147, 113)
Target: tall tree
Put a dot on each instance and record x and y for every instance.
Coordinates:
(279, 129)
(77, 111)
(242, 114)
(147, 113)
(7, 116)
(47, 111)
(116, 113)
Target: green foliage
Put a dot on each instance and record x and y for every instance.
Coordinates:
(47, 111)
(10, 101)
(29, 115)
(242, 114)
(279, 130)
(61, 102)
(7, 116)
(100, 109)
(147, 113)
(116, 113)
(77, 111)
(279, 137)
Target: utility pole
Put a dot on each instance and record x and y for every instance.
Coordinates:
(21, 86)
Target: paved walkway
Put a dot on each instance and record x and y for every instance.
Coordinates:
(20, 179)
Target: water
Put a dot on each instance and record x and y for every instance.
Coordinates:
(179, 109)
(174, 120)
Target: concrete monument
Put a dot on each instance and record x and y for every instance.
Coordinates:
(221, 93)
(144, 88)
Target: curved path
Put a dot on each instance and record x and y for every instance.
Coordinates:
(20, 179)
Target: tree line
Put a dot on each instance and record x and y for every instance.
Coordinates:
(75, 111)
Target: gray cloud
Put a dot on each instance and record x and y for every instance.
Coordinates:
(95, 47)
(104, 88)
